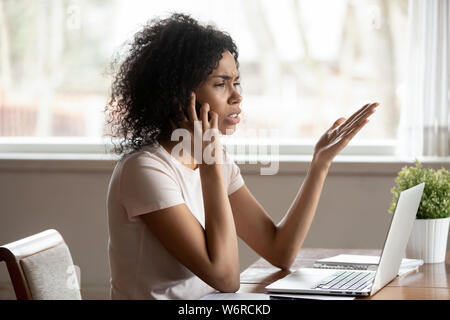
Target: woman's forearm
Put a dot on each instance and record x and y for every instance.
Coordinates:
(220, 230)
(293, 228)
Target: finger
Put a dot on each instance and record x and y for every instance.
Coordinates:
(214, 124)
(349, 136)
(332, 132)
(359, 117)
(214, 119)
(337, 123)
(343, 140)
(191, 111)
(358, 114)
(357, 121)
(204, 116)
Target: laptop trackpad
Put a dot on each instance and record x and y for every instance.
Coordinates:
(303, 278)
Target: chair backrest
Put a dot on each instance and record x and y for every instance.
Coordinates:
(41, 267)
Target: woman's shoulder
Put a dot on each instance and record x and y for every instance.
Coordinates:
(146, 157)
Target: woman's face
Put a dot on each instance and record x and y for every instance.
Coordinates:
(221, 91)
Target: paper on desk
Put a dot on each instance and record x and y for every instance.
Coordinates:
(236, 296)
(406, 270)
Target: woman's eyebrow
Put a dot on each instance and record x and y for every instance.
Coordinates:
(224, 76)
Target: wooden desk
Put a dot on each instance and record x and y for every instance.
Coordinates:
(431, 281)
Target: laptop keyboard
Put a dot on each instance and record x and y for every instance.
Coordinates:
(346, 280)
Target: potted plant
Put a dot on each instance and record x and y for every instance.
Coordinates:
(428, 240)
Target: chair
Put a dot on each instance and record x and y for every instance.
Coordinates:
(41, 267)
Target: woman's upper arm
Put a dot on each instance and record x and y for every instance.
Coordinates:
(253, 223)
(183, 236)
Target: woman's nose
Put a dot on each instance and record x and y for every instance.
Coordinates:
(236, 97)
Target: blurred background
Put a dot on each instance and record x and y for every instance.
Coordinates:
(303, 63)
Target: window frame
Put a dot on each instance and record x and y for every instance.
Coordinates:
(19, 155)
(102, 146)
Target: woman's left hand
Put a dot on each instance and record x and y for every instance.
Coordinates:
(340, 133)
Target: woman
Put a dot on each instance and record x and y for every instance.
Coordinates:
(174, 219)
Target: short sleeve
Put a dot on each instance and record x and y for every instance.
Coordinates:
(235, 178)
(147, 185)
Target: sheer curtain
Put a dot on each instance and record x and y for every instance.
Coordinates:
(425, 116)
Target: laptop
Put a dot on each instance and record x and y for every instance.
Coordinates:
(360, 282)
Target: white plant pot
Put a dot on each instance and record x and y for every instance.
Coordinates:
(428, 240)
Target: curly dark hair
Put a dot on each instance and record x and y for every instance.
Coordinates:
(165, 62)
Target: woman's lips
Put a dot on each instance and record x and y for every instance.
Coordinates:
(234, 120)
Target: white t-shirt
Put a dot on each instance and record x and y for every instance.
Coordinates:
(145, 181)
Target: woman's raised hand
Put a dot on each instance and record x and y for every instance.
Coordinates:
(340, 133)
(205, 134)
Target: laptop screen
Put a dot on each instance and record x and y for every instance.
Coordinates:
(398, 236)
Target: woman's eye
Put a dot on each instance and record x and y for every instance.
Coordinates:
(222, 85)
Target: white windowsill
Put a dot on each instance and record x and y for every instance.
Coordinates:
(287, 164)
(88, 155)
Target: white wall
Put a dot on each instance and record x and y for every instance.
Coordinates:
(70, 197)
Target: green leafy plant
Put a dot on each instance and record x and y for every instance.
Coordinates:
(435, 201)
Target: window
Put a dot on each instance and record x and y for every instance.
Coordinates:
(303, 63)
